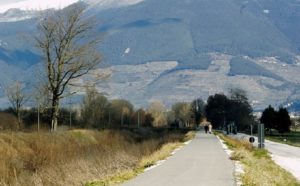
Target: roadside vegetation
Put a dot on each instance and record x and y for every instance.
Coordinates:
(279, 127)
(145, 162)
(102, 142)
(259, 168)
(291, 138)
(79, 156)
(276, 120)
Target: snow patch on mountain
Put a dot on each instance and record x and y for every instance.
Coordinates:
(112, 3)
(297, 60)
(13, 15)
(36, 5)
(26, 9)
(3, 43)
(127, 51)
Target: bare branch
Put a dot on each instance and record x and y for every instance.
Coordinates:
(17, 98)
(68, 47)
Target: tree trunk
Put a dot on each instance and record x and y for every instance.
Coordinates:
(54, 114)
(38, 124)
(19, 119)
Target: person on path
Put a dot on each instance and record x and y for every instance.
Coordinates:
(206, 128)
(210, 128)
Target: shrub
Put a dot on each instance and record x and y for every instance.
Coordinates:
(8, 121)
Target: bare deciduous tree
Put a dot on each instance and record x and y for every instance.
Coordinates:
(158, 110)
(68, 47)
(183, 112)
(17, 99)
(94, 108)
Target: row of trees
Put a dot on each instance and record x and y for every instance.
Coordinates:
(276, 119)
(222, 110)
(97, 111)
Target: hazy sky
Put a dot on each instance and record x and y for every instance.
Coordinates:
(33, 4)
(2, 2)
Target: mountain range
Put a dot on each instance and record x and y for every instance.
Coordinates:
(175, 50)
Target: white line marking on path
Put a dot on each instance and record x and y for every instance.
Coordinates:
(238, 167)
(159, 163)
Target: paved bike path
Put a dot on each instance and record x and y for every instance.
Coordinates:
(203, 162)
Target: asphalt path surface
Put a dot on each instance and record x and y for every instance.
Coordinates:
(202, 162)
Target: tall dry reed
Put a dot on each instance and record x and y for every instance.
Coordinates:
(73, 157)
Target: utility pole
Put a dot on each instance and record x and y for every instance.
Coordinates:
(224, 122)
(261, 136)
(109, 119)
(70, 111)
(38, 125)
(197, 118)
(138, 119)
(122, 118)
(70, 118)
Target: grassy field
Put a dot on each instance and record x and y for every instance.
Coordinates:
(260, 169)
(79, 156)
(292, 138)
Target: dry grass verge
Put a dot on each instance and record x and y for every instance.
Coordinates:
(145, 162)
(260, 169)
(74, 157)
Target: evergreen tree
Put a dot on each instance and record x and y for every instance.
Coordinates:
(268, 118)
(240, 110)
(279, 120)
(283, 120)
(198, 107)
(221, 110)
(216, 110)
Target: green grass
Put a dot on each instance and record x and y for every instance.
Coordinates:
(261, 153)
(116, 179)
(259, 168)
(292, 138)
